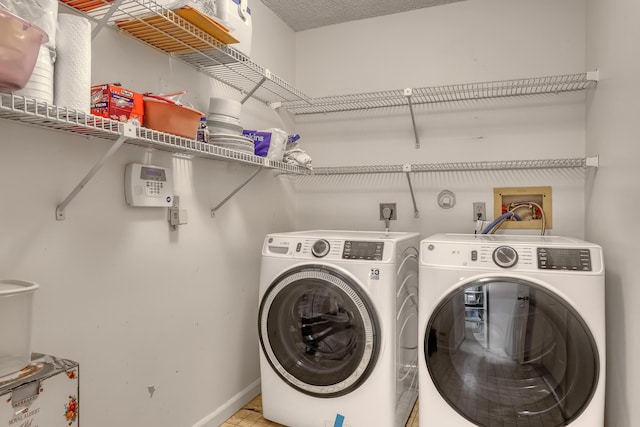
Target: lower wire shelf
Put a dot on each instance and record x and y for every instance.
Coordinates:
(459, 166)
(408, 169)
(37, 113)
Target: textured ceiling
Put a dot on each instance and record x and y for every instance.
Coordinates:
(303, 15)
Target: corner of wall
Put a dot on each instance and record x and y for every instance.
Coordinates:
(231, 406)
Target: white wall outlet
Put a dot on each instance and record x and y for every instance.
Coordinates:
(388, 211)
(479, 211)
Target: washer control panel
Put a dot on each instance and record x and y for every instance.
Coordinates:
(564, 259)
(362, 250)
(513, 256)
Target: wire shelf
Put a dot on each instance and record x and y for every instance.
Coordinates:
(455, 167)
(440, 94)
(163, 29)
(41, 114)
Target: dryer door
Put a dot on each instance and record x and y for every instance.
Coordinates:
(319, 331)
(508, 351)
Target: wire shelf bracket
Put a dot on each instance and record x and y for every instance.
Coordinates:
(129, 131)
(233, 193)
(105, 19)
(406, 168)
(407, 93)
(267, 76)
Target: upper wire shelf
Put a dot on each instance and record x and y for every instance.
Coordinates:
(163, 29)
(41, 114)
(446, 93)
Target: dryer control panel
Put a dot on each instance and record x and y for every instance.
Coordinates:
(329, 249)
(362, 250)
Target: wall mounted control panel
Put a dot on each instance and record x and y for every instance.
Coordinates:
(148, 185)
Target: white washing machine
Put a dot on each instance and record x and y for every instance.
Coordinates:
(338, 326)
(512, 331)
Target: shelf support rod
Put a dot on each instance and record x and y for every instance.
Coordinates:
(233, 193)
(129, 131)
(406, 168)
(105, 18)
(407, 93)
(267, 75)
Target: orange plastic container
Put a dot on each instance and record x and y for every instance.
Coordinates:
(166, 116)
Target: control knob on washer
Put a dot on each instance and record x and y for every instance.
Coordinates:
(505, 256)
(320, 248)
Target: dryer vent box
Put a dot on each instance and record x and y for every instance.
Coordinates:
(519, 199)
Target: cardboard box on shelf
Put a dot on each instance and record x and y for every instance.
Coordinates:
(117, 103)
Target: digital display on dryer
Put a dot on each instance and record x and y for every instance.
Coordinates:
(363, 250)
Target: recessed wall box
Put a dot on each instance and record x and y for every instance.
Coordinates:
(523, 201)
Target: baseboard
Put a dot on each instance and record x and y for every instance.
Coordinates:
(231, 406)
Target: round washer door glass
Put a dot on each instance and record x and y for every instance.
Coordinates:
(510, 352)
(318, 331)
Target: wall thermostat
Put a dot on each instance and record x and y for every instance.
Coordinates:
(148, 185)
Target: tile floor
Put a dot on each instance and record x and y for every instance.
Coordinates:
(251, 416)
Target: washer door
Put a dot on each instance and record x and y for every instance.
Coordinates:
(508, 351)
(318, 331)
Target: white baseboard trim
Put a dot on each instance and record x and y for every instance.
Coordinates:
(231, 406)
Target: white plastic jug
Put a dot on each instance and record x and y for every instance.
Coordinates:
(236, 15)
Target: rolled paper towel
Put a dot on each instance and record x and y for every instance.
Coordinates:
(49, 20)
(72, 73)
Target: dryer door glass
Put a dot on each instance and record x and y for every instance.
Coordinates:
(510, 352)
(318, 331)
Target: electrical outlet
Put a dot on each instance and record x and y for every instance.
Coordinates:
(479, 211)
(391, 206)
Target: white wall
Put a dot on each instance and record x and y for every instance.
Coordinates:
(612, 132)
(136, 304)
(139, 305)
(463, 42)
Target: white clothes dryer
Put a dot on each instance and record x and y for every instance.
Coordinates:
(512, 331)
(338, 327)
